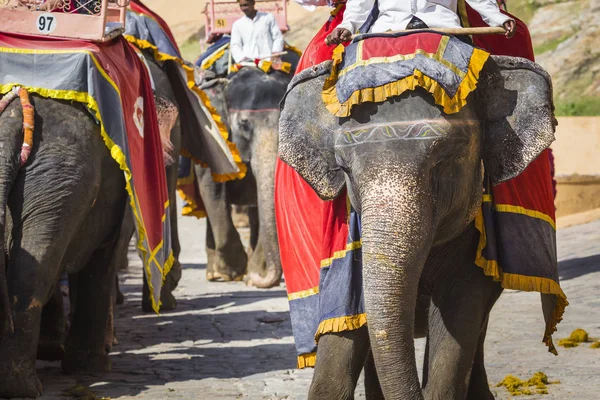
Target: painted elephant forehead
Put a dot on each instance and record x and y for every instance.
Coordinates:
(377, 67)
(252, 89)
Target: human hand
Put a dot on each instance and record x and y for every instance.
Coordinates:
(276, 63)
(338, 36)
(510, 27)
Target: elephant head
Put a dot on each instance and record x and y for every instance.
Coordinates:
(516, 116)
(415, 176)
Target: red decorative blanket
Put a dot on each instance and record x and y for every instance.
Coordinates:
(112, 82)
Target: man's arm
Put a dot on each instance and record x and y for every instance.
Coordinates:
(276, 35)
(489, 11)
(357, 12)
(235, 43)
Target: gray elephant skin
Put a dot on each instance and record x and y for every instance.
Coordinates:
(249, 103)
(62, 211)
(87, 236)
(417, 199)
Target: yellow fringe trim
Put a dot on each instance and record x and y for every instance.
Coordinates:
(337, 9)
(192, 208)
(116, 153)
(303, 293)
(524, 211)
(158, 56)
(207, 63)
(307, 360)
(523, 283)
(340, 324)
(418, 79)
(341, 254)
(294, 49)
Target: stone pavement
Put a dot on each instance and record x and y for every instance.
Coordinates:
(227, 341)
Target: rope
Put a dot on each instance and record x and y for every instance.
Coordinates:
(28, 125)
(28, 119)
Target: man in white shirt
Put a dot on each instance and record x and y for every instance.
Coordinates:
(255, 36)
(408, 14)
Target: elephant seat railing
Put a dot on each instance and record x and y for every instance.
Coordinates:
(221, 14)
(94, 20)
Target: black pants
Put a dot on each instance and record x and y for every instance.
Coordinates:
(416, 23)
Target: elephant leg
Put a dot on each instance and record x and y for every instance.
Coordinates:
(264, 267)
(479, 387)
(32, 281)
(210, 253)
(52, 328)
(86, 349)
(240, 217)
(227, 259)
(254, 224)
(458, 316)
(340, 359)
(372, 386)
(120, 297)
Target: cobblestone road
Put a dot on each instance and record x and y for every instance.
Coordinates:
(226, 341)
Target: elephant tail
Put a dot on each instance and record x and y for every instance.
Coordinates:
(19, 148)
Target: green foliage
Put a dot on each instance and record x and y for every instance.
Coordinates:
(583, 106)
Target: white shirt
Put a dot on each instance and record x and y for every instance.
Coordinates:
(396, 14)
(255, 38)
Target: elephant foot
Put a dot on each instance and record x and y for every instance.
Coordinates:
(271, 280)
(19, 384)
(147, 305)
(239, 216)
(120, 297)
(50, 350)
(168, 301)
(212, 276)
(85, 363)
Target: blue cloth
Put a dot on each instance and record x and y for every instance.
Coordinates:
(213, 47)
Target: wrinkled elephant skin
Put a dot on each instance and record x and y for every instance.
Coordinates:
(415, 175)
(64, 210)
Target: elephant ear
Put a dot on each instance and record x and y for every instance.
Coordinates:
(306, 128)
(518, 115)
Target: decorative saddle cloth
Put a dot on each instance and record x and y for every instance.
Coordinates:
(204, 136)
(216, 59)
(375, 67)
(320, 242)
(112, 82)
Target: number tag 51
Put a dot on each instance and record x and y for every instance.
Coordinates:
(46, 23)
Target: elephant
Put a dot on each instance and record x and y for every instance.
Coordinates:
(249, 103)
(417, 200)
(62, 211)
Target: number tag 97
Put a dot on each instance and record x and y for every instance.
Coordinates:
(46, 23)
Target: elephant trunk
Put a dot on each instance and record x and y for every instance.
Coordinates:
(396, 221)
(264, 157)
(11, 136)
